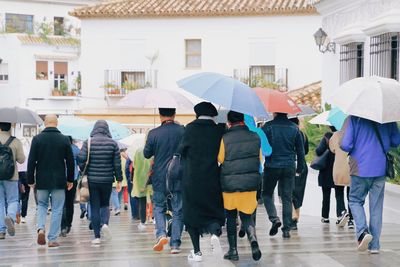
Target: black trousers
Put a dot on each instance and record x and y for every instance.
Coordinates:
(326, 201)
(99, 199)
(68, 212)
(231, 221)
(24, 197)
(348, 202)
(142, 208)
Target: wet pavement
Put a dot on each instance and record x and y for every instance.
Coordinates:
(313, 244)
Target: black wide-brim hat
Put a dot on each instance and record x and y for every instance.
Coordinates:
(205, 109)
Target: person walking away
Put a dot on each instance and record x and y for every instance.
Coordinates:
(300, 181)
(103, 169)
(129, 172)
(24, 187)
(341, 171)
(50, 170)
(325, 181)
(203, 210)
(116, 197)
(367, 143)
(287, 149)
(162, 142)
(240, 157)
(68, 212)
(142, 167)
(11, 153)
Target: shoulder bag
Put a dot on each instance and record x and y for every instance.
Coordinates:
(389, 158)
(84, 184)
(320, 162)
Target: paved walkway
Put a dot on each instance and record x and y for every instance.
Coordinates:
(313, 245)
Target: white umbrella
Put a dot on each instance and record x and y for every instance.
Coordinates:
(134, 142)
(19, 115)
(155, 98)
(321, 119)
(374, 98)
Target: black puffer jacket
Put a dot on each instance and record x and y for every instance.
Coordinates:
(105, 160)
(240, 169)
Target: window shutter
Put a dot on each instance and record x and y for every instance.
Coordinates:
(61, 68)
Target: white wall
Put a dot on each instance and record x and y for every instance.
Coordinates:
(354, 21)
(225, 47)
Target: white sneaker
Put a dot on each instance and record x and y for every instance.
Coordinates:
(215, 244)
(96, 241)
(197, 257)
(106, 232)
(23, 220)
(142, 227)
(374, 251)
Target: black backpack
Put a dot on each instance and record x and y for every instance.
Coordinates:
(7, 164)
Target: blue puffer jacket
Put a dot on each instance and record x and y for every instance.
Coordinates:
(105, 160)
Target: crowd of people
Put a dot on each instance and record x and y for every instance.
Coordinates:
(200, 178)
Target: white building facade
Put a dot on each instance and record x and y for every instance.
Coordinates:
(39, 54)
(123, 48)
(366, 34)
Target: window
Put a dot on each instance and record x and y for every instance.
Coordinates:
(385, 55)
(42, 70)
(58, 26)
(262, 74)
(193, 53)
(351, 61)
(19, 23)
(132, 80)
(3, 73)
(60, 75)
(29, 130)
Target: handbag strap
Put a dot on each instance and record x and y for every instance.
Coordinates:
(88, 156)
(379, 136)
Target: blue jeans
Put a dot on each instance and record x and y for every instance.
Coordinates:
(159, 209)
(116, 199)
(57, 205)
(133, 202)
(9, 196)
(359, 188)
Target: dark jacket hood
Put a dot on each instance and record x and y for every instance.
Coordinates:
(101, 127)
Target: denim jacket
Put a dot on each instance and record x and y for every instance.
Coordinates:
(287, 142)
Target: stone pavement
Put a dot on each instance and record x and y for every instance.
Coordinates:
(313, 244)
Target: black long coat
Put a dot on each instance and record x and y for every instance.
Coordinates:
(325, 176)
(202, 195)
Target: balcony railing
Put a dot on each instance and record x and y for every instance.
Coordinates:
(118, 83)
(263, 76)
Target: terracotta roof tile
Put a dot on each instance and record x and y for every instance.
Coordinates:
(51, 40)
(195, 8)
(308, 95)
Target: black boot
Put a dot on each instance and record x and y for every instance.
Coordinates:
(232, 254)
(255, 250)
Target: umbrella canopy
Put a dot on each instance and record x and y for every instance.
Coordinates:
(373, 98)
(19, 115)
(306, 111)
(80, 129)
(225, 91)
(321, 119)
(155, 98)
(336, 117)
(275, 101)
(134, 142)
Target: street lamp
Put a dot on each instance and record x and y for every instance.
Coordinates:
(320, 38)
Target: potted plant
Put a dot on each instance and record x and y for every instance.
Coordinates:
(55, 92)
(64, 88)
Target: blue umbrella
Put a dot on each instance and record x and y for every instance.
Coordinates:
(80, 129)
(225, 91)
(336, 117)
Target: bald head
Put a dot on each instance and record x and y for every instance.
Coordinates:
(50, 120)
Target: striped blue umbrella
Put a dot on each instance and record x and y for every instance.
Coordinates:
(225, 91)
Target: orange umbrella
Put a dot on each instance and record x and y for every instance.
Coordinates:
(275, 101)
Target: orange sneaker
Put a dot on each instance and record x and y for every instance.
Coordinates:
(161, 242)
